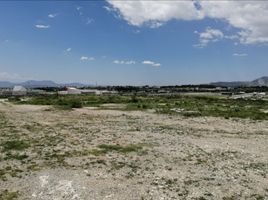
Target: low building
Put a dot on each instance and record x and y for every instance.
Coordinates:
(72, 90)
(62, 92)
(97, 92)
(89, 91)
(19, 91)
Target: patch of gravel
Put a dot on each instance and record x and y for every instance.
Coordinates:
(178, 158)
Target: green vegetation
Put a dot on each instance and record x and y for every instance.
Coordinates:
(15, 156)
(185, 105)
(72, 101)
(6, 195)
(14, 145)
(105, 148)
(194, 106)
(2, 175)
(59, 102)
(58, 158)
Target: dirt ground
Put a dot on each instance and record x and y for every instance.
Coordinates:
(160, 156)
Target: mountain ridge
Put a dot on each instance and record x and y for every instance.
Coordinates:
(262, 81)
(39, 84)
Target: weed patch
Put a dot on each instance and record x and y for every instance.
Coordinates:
(15, 145)
(6, 195)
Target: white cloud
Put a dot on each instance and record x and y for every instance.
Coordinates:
(155, 24)
(130, 62)
(148, 62)
(89, 20)
(79, 9)
(140, 12)
(109, 9)
(52, 15)
(156, 65)
(117, 62)
(67, 51)
(122, 62)
(240, 54)
(87, 58)
(249, 18)
(5, 76)
(210, 35)
(231, 37)
(137, 31)
(42, 26)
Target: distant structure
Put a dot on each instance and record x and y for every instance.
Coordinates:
(69, 90)
(62, 92)
(89, 91)
(19, 91)
(97, 92)
(72, 90)
(243, 95)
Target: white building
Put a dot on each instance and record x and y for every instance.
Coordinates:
(72, 90)
(62, 92)
(97, 92)
(88, 91)
(19, 91)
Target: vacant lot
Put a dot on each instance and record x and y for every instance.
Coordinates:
(114, 151)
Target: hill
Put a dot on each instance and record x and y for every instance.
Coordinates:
(263, 81)
(39, 84)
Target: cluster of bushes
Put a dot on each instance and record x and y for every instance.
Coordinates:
(219, 107)
(70, 103)
(59, 102)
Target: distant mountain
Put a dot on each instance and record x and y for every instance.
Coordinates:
(230, 84)
(263, 81)
(39, 84)
(6, 84)
(79, 85)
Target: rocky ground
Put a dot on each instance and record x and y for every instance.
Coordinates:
(88, 153)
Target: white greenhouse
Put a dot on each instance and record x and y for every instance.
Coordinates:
(72, 90)
(19, 91)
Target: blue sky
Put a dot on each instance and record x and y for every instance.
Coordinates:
(131, 43)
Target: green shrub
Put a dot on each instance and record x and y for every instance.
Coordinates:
(6, 195)
(15, 145)
(76, 104)
(134, 99)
